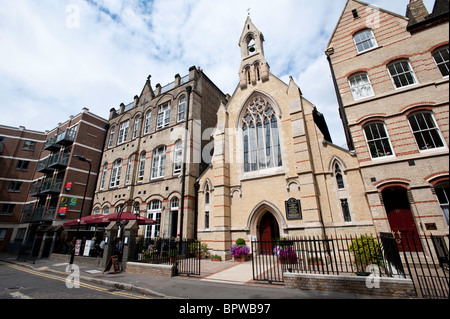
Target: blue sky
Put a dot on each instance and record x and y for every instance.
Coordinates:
(59, 56)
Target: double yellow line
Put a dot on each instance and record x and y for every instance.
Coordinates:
(82, 284)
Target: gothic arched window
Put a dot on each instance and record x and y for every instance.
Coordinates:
(261, 136)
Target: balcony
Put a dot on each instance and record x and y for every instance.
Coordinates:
(46, 187)
(51, 186)
(58, 160)
(35, 189)
(40, 214)
(66, 137)
(42, 166)
(50, 144)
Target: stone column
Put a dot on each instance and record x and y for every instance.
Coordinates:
(111, 234)
(130, 234)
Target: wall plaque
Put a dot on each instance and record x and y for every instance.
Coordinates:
(293, 209)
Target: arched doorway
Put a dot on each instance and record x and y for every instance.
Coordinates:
(269, 232)
(400, 217)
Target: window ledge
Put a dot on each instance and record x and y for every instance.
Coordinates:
(369, 50)
(274, 171)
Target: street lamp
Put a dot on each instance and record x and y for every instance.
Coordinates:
(83, 159)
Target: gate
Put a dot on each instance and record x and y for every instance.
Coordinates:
(184, 255)
(427, 265)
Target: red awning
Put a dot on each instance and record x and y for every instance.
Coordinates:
(105, 219)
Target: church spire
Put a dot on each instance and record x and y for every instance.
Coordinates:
(254, 67)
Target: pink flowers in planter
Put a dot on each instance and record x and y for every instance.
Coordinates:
(239, 250)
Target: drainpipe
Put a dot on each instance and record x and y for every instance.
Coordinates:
(197, 187)
(183, 176)
(342, 114)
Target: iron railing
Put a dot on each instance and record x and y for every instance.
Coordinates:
(184, 254)
(425, 259)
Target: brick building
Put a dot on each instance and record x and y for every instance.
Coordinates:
(275, 171)
(391, 74)
(142, 163)
(59, 181)
(19, 154)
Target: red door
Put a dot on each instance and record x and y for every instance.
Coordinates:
(403, 225)
(268, 232)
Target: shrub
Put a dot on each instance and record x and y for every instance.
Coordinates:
(366, 251)
(240, 241)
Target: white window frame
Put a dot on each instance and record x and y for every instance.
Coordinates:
(378, 139)
(422, 131)
(136, 127)
(181, 109)
(148, 117)
(163, 119)
(443, 199)
(177, 157)
(444, 62)
(123, 132)
(111, 136)
(261, 137)
(141, 170)
(115, 173)
(159, 162)
(370, 39)
(356, 87)
(128, 174)
(154, 209)
(403, 73)
(103, 178)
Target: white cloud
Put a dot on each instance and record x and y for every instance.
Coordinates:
(49, 71)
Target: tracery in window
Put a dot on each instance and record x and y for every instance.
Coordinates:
(261, 136)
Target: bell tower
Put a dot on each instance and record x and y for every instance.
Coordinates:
(254, 67)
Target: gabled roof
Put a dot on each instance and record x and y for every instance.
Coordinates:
(364, 4)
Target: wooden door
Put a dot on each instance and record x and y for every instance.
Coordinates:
(403, 225)
(268, 233)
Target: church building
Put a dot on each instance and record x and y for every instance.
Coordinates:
(275, 172)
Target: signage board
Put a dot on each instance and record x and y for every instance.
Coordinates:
(293, 209)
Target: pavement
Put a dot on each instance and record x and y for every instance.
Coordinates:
(218, 280)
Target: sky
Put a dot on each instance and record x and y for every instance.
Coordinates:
(60, 56)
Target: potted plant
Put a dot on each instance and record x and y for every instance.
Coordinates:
(216, 258)
(150, 252)
(366, 251)
(285, 252)
(240, 250)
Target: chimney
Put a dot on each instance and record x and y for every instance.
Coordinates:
(416, 12)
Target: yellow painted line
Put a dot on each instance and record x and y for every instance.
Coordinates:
(82, 284)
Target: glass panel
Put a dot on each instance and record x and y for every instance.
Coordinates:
(261, 155)
(276, 142)
(246, 161)
(254, 164)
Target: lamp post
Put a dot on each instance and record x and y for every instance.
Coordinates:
(83, 159)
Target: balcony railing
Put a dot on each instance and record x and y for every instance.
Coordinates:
(51, 186)
(45, 187)
(35, 189)
(50, 144)
(66, 137)
(40, 214)
(58, 160)
(42, 166)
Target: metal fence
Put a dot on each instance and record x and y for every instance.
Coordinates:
(184, 254)
(425, 260)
